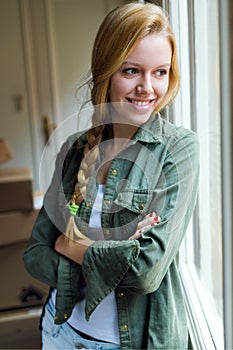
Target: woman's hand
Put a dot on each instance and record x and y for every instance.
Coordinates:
(149, 221)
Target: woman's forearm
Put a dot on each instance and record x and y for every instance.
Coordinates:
(74, 250)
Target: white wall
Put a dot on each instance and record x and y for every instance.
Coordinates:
(46, 48)
(14, 121)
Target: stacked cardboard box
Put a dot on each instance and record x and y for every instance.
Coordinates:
(17, 213)
(21, 295)
(16, 191)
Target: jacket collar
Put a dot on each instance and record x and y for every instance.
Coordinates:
(151, 131)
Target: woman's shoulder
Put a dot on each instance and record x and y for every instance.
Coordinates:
(77, 139)
(71, 148)
(172, 131)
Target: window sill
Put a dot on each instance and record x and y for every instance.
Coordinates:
(205, 326)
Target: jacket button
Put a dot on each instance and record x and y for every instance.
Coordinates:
(125, 327)
(114, 172)
(65, 316)
(141, 206)
(107, 231)
(88, 204)
(107, 201)
(121, 294)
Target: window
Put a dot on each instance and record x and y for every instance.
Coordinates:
(196, 25)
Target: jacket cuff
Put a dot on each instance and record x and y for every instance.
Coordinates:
(105, 264)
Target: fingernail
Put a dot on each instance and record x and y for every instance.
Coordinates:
(157, 219)
(151, 214)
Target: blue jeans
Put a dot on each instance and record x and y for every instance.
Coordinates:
(63, 337)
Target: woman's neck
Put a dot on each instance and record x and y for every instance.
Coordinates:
(124, 131)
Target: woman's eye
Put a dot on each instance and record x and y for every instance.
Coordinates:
(161, 72)
(130, 71)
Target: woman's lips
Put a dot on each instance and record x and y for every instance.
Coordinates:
(140, 103)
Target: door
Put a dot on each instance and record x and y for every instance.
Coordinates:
(14, 114)
(46, 50)
(25, 94)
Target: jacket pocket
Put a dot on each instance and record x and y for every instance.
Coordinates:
(135, 200)
(131, 206)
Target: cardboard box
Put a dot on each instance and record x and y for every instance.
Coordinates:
(5, 153)
(16, 226)
(16, 191)
(20, 329)
(19, 289)
(21, 299)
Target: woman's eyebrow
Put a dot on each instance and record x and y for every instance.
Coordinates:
(138, 64)
(167, 65)
(131, 62)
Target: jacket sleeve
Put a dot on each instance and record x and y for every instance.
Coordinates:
(39, 257)
(150, 257)
(174, 200)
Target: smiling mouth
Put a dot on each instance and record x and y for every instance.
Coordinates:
(140, 103)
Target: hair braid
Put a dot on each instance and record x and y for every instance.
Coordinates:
(91, 152)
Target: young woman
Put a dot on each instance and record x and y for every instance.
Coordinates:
(107, 237)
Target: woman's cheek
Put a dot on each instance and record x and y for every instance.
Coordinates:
(162, 88)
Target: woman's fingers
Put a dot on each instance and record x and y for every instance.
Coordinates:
(149, 221)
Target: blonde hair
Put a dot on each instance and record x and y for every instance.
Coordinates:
(118, 35)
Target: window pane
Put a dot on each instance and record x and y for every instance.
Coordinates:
(208, 128)
(199, 102)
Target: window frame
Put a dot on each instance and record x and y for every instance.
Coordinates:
(226, 59)
(201, 320)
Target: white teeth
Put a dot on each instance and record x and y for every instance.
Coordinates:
(140, 103)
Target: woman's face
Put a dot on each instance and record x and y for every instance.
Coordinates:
(142, 81)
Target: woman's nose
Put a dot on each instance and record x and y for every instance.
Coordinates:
(145, 85)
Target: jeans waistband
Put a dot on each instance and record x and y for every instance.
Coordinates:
(86, 336)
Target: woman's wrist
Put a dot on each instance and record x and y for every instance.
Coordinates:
(74, 250)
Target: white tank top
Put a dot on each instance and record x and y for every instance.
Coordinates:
(103, 323)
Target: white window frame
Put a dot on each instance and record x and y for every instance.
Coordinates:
(202, 320)
(226, 59)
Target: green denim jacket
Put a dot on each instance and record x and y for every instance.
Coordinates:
(156, 172)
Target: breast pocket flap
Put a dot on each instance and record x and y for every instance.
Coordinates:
(137, 201)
